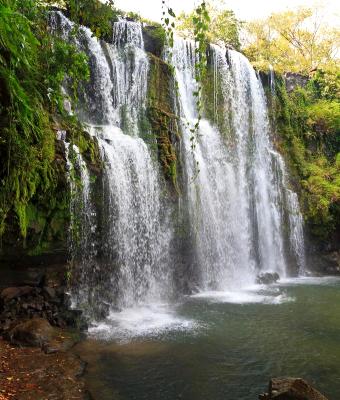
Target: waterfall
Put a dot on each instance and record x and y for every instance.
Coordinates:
(82, 237)
(293, 217)
(271, 80)
(81, 209)
(135, 235)
(214, 199)
(243, 217)
(138, 235)
(236, 203)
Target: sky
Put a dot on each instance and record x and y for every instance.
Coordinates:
(244, 9)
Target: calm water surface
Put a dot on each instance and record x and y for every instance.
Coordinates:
(219, 345)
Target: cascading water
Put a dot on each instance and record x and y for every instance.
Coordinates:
(135, 237)
(135, 234)
(243, 217)
(249, 109)
(83, 218)
(235, 203)
(292, 216)
(214, 202)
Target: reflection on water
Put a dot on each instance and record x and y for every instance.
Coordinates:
(220, 345)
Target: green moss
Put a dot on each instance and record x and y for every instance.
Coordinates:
(96, 15)
(308, 132)
(88, 147)
(162, 122)
(31, 100)
(163, 127)
(155, 38)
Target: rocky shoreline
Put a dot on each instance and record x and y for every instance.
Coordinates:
(47, 303)
(38, 330)
(27, 373)
(291, 389)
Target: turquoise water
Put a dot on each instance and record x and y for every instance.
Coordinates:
(220, 345)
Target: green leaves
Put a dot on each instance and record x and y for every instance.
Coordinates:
(309, 124)
(171, 12)
(33, 65)
(200, 22)
(222, 25)
(94, 14)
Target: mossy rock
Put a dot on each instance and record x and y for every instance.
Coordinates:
(310, 149)
(161, 116)
(154, 39)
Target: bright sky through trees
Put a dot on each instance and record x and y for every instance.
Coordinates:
(244, 9)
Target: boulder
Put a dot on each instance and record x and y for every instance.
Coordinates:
(291, 389)
(267, 278)
(50, 292)
(23, 303)
(38, 332)
(34, 332)
(294, 80)
(154, 39)
(15, 292)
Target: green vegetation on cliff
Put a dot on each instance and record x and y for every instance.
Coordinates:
(307, 118)
(308, 126)
(96, 15)
(33, 65)
(161, 116)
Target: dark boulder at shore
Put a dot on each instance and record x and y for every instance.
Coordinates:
(46, 302)
(267, 278)
(38, 332)
(291, 389)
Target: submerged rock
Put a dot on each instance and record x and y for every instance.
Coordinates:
(291, 389)
(267, 278)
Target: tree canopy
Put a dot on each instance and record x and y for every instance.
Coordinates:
(295, 40)
(223, 26)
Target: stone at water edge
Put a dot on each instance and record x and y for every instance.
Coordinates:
(38, 332)
(291, 389)
(26, 302)
(267, 278)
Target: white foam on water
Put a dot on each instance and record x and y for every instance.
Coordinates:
(255, 294)
(147, 320)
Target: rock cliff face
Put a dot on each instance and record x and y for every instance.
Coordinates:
(46, 245)
(294, 80)
(49, 216)
(47, 225)
(323, 250)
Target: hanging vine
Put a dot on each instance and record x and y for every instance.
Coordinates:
(201, 25)
(201, 21)
(168, 22)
